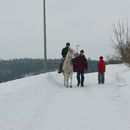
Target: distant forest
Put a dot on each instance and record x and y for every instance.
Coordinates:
(19, 68)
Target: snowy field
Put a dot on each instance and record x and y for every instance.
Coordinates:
(42, 102)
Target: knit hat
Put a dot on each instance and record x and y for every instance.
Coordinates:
(67, 44)
(82, 51)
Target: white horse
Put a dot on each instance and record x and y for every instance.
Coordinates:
(68, 68)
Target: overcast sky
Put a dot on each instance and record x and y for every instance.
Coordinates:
(84, 22)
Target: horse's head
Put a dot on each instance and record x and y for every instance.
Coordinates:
(71, 53)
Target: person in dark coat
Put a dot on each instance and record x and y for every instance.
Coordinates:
(63, 53)
(81, 67)
(65, 50)
(101, 70)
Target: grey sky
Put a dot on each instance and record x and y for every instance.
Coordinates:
(86, 22)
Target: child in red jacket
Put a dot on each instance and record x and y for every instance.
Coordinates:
(101, 70)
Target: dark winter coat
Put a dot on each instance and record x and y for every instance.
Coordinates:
(81, 63)
(64, 51)
(101, 66)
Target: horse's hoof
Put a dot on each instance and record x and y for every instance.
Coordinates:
(66, 86)
(70, 86)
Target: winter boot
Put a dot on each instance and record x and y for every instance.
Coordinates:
(82, 81)
(78, 79)
(60, 69)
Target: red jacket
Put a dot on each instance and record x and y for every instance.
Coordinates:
(80, 63)
(101, 66)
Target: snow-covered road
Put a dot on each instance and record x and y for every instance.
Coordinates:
(43, 103)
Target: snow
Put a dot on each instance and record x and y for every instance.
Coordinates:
(42, 102)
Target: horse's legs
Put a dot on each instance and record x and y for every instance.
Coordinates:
(70, 76)
(66, 79)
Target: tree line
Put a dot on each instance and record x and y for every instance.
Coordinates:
(19, 68)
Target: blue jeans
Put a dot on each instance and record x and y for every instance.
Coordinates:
(80, 77)
(101, 77)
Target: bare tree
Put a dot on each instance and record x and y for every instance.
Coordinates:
(121, 40)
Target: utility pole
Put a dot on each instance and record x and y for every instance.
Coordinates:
(44, 28)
